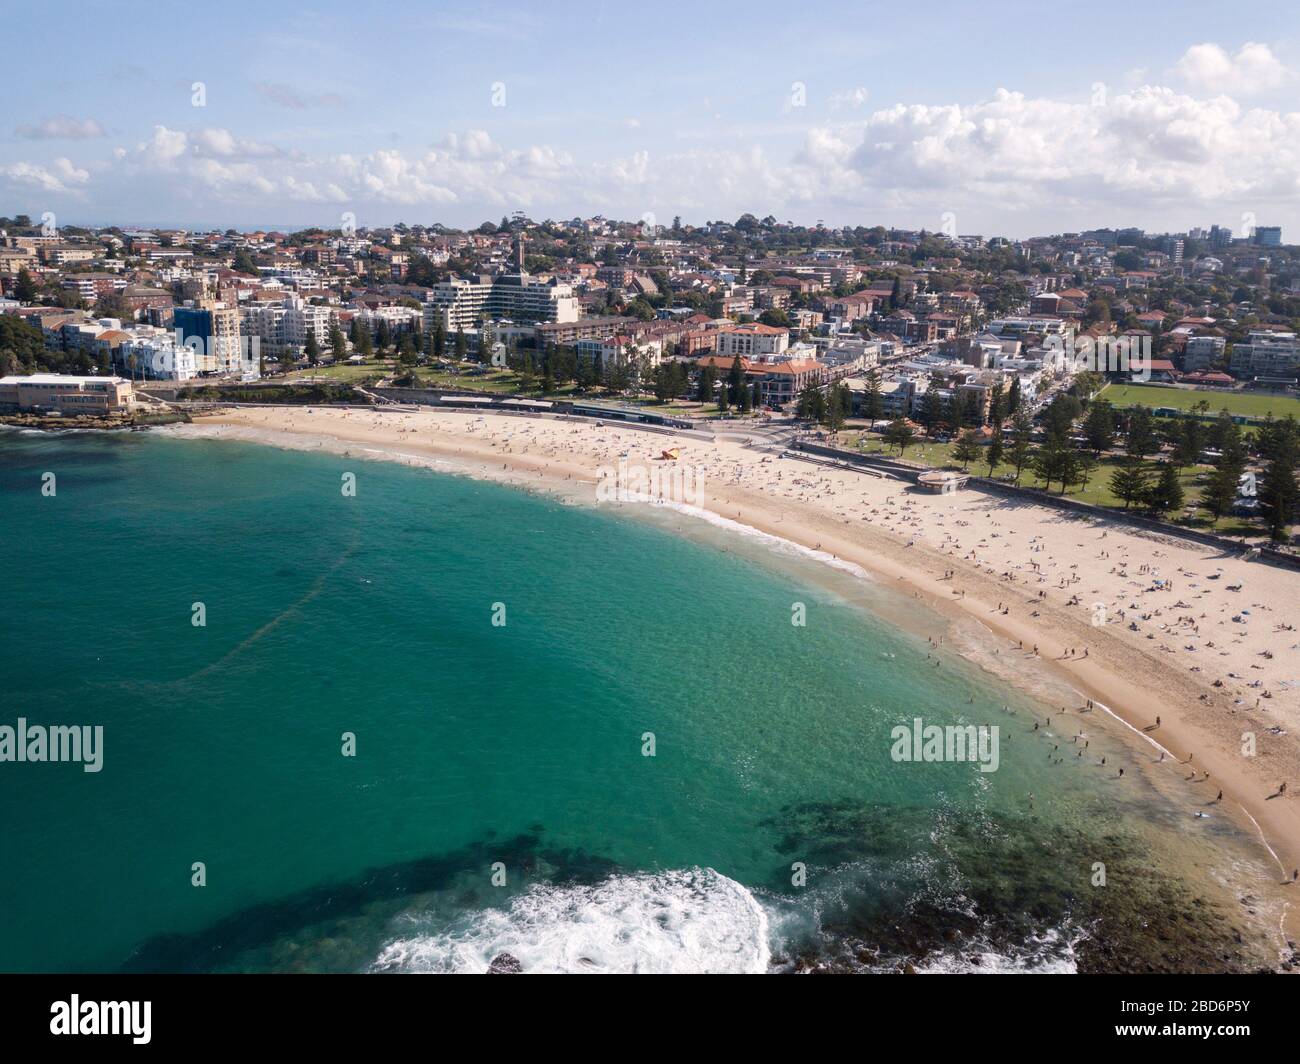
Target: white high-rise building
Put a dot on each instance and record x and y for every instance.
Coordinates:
(462, 304)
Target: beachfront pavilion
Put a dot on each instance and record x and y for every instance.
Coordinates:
(942, 481)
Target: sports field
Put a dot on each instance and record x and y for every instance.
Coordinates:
(1248, 404)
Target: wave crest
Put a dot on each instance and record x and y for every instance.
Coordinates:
(688, 920)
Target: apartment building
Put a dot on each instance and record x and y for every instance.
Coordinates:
(570, 332)
(212, 330)
(752, 340)
(1266, 354)
(461, 304)
(154, 354)
(616, 350)
(284, 324)
(1201, 352)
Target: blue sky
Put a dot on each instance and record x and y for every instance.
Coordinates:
(1015, 117)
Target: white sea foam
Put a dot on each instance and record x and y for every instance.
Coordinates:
(1049, 953)
(689, 920)
(777, 543)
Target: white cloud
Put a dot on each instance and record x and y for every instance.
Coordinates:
(1253, 69)
(59, 176)
(1031, 163)
(60, 127)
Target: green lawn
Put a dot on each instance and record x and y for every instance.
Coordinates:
(347, 373)
(1247, 404)
(1097, 491)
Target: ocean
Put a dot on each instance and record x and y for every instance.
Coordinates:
(440, 722)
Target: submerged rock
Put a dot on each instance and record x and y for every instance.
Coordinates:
(505, 964)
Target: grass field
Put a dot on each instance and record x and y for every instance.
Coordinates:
(1247, 404)
(1097, 491)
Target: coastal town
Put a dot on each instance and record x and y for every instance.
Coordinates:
(580, 490)
(1155, 373)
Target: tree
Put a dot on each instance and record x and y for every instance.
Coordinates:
(835, 408)
(1087, 465)
(312, 349)
(1060, 415)
(1055, 460)
(724, 401)
(24, 287)
(899, 434)
(338, 345)
(407, 354)
(994, 453)
(462, 346)
(1280, 445)
(707, 380)
(997, 405)
(439, 339)
(1187, 441)
(966, 450)
(736, 376)
(1013, 397)
(1021, 445)
(1099, 427)
(1129, 482)
(873, 403)
(931, 412)
(1142, 439)
(812, 403)
(1224, 481)
(1165, 495)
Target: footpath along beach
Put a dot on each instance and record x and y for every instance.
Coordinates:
(1194, 653)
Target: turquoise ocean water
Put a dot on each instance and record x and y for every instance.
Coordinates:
(512, 751)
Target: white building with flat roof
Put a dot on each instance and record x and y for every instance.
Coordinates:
(463, 304)
(65, 394)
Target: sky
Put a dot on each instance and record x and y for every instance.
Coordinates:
(998, 118)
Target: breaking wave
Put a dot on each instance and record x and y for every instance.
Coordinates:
(690, 920)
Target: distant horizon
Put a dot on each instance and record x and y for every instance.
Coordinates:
(441, 111)
(285, 227)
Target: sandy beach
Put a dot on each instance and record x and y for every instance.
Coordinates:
(1144, 627)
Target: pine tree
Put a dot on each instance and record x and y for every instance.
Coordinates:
(708, 378)
(1224, 481)
(1166, 494)
(966, 450)
(875, 404)
(1129, 482)
(994, 453)
(1021, 443)
(1278, 493)
(1142, 439)
(1099, 426)
(899, 434)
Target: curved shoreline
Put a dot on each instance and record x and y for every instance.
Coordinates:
(1130, 684)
